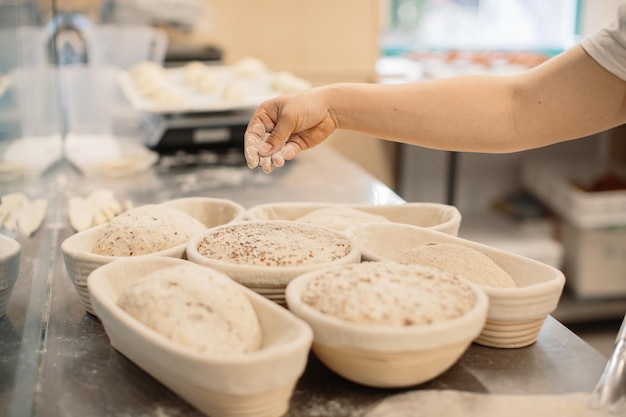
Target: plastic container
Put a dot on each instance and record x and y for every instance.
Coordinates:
(554, 183)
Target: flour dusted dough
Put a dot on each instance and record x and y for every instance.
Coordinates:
(234, 93)
(249, 66)
(459, 260)
(98, 207)
(287, 82)
(274, 244)
(19, 213)
(340, 218)
(390, 294)
(449, 403)
(196, 307)
(146, 229)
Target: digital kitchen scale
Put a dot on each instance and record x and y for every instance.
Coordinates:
(194, 132)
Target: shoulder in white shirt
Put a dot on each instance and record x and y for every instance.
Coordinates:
(608, 45)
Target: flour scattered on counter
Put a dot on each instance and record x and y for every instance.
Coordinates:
(20, 214)
(161, 411)
(468, 404)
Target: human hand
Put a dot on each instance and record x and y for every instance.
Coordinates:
(283, 126)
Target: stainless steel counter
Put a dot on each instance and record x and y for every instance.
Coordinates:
(56, 360)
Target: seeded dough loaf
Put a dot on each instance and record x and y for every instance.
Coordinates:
(146, 229)
(389, 294)
(459, 260)
(196, 307)
(274, 243)
(340, 218)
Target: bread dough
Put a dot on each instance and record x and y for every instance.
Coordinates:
(459, 260)
(249, 67)
(20, 214)
(340, 218)
(31, 216)
(146, 229)
(389, 294)
(196, 307)
(281, 244)
(194, 71)
(287, 82)
(449, 403)
(98, 207)
(234, 93)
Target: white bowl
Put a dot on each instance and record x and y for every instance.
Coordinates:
(385, 356)
(441, 217)
(10, 251)
(269, 281)
(80, 260)
(255, 384)
(516, 315)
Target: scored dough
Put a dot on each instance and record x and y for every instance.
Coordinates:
(450, 403)
(196, 307)
(459, 260)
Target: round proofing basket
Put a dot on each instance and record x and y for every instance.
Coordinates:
(441, 217)
(80, 260)
(387, 357)
(269, 281)
(10, 251)
(255, 384)
(515, 315)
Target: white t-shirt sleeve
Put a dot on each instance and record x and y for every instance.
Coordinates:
(608, 45)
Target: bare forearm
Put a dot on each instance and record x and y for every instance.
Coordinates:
(444, 114)
(569, 97)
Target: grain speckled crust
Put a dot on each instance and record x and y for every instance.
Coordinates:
(196, 307)
(340, 218)
(146, 229)
(459, 260)
(274, 244)
(389, 294)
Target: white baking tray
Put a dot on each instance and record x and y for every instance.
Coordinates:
(257, 89)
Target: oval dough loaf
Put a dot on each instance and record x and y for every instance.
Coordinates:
(196, 307)
(146, 229)
(459, 260)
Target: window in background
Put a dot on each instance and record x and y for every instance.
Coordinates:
(471, 25)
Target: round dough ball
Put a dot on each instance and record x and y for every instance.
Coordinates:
(146, 229)
(234, 93)
(389, 294)
(194, 71)
(287, 82)
(208, 83)
(249, 67)
(196, 307)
